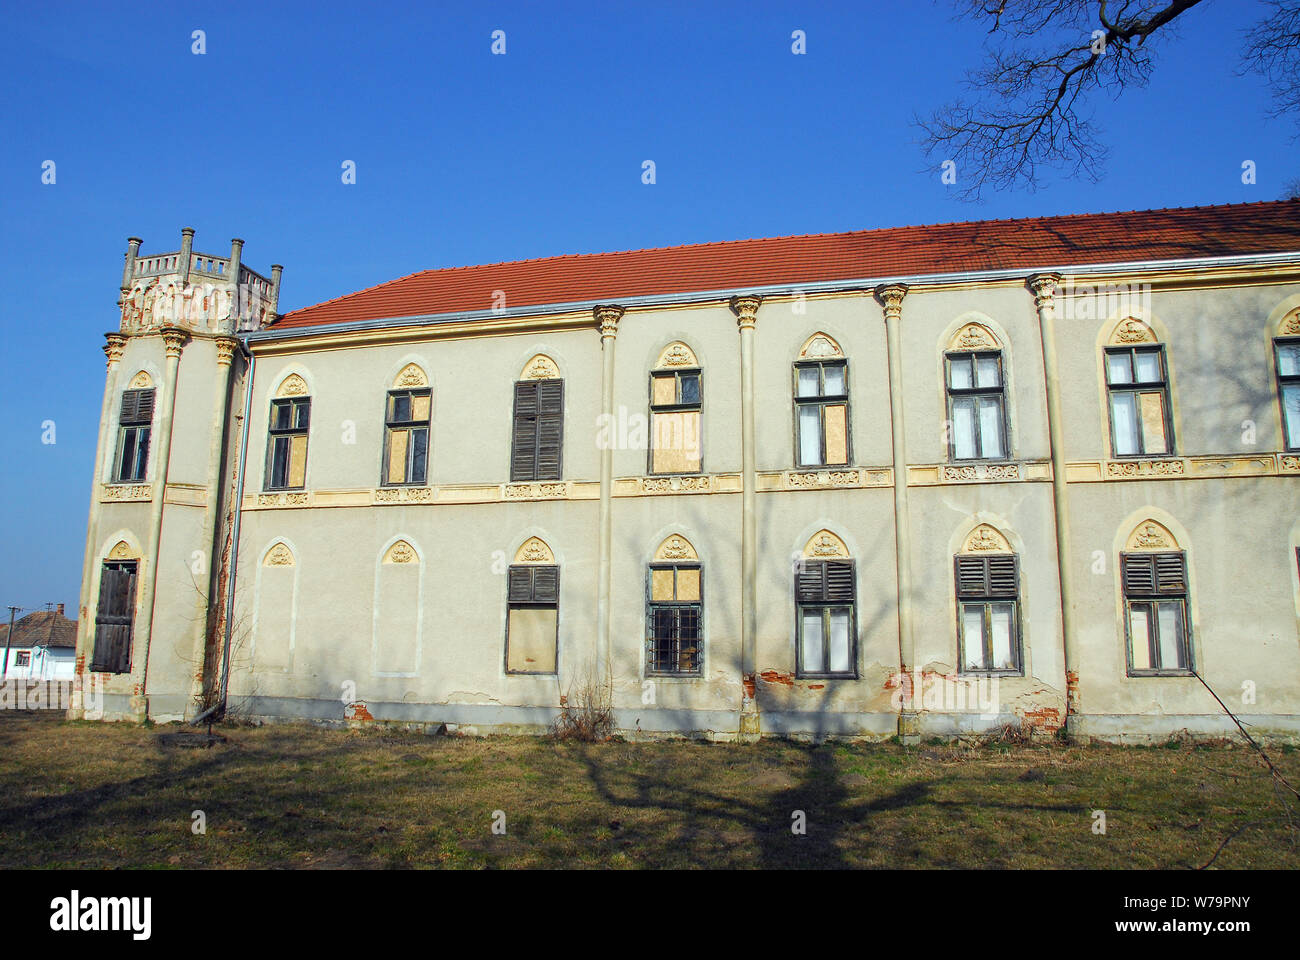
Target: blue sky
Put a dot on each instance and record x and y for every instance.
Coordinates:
(464, 157)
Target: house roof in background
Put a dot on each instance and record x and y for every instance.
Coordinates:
(45, 628)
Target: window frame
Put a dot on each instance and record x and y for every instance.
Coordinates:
(821, 400)
(1150, 600)
(22, 658)
(532, 604)
(139, 427)
(827, 607)
(1136, 388)
(1000, 391)
(274, 433)
(677, 407)
(677, 606)
(987, 598)
(1289, 443)
(410, 426)
(133, 599)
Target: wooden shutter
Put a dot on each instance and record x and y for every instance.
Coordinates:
(997, 576)
(826, 581)
(115, 618)
(528, 584)
(520, 584)
(1171, 572)
(523, 445)
(808, 582)
(137, 406)
(550, 429)
(1139, 574)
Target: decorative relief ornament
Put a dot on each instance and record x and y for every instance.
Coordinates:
(293, 386)
(607, 318)
(825, 544)
(1149, 535)
(676, 547)
(173, 340)
(225, 350)
(1133, 330)
(986, 539)
(973, 336)
(677, 354)
(534, 550)
(121, 551)
(1290, 325)
(1044, 287)
(411, 376)
(400, 552)
(746, 310)
(114, 347)
(891, 297)
(279, 556)
(541, 367)
(820, 346)
(141, 381)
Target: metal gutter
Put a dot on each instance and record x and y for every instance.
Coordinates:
(821, 286)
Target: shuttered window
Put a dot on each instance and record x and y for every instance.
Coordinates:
(674, 615)
(538, 438)
(406, 437)
(821, 412)
(1288, 389)
(134, 426)
(825, 601)
(676, 445)
(1139, 402)
(1155, 600)
(532, 618)
(115, 617)
(988, 613)
(286, 456)
(976, 407)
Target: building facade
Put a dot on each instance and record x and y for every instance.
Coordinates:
(916, 481)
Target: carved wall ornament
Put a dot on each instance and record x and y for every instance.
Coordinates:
(1150, 535)
(536, 491)
(403, 495)
(980, 471)
(820, 346)
(1044, 287)
(534, 550)
(114, 347)
(1132, 330)
(891, 297)
(676, 547)
(677, 354)
(292, 386)
(173, 341)
(225, 350)
(607, 318)
(540, 367)
(1145, 468)
(411, 377)
(974, 336)
(141, 381)
(126, 493)
(1290, 325)
(401, 552)
(986, 539)
(825, 544)
(279, 556)
(122, 551)
(746, 310)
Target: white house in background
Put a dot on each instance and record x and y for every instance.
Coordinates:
(43, 647)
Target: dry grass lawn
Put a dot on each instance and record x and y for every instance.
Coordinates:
(109, 795)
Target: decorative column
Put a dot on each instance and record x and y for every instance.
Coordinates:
(173, 342)
(226, 347)
(113, 350)
(607, 318)
(236, 251)
(746, 311)
(1044, 287)
(187, 254)
(891, 298)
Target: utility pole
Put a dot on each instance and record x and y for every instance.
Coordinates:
(4, 667)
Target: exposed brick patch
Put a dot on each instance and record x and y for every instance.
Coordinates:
(357, 711)
(773, 676)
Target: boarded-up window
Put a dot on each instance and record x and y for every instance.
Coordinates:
(826, 605)
(538, 437)
(675, 616)
(1288, 389)
(1155, 600)
(287, 444)
(115, 617)
(406, 436)
(821, 411)
(134, 427)
(676, 444)
(533, 614)
(976, 408)
(1139, 402)
(988, 615)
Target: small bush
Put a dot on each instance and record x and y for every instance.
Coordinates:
(587, 715)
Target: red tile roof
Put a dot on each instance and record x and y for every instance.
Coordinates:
(1038, 243)
(45, 628)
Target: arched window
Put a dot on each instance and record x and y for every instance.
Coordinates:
(286, 448)
(406, 429)
(675, 397)
(1137, 384)
(987, 576)
(537, 442)
(976, 395)
(532, 609)
(1286, 348)
(1154, 580)
(134, 426)
(821, 404)
(826, 609)
(675, 610)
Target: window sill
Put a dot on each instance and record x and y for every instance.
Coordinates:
(1156, 674)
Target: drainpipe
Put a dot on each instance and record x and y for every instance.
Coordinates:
(746, 310)
(224, 685)
(607, 317)
(1044, 286)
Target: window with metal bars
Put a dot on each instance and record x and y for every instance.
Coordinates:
(1139, 402)
(826, 613)
(406, 437)
(532, 618)
(134, 426)
(821, 412)
(988, 614)
(1288, 389)
(1155, 600)
(115, 617)
(675, 443)
(976, 407)
(537, 441)
(286, 452)
(674, 620)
